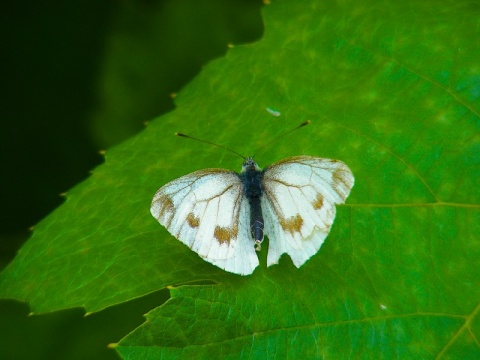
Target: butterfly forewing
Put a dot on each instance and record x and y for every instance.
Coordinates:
(299, 204)
(207, 211)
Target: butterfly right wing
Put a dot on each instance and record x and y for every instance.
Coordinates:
(299, 204)
(207, 211)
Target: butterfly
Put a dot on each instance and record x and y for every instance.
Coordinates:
(223, 215)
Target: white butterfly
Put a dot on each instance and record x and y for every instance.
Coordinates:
(222, 215)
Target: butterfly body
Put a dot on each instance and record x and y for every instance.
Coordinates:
(223, 215)
(251, 177)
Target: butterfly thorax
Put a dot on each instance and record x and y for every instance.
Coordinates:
(251, 177)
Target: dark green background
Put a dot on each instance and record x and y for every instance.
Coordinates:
(79, 77)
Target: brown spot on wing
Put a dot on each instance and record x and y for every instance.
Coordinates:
(340, 176)
(193, 221)
(293, 224)
(318, 202)
(224, 235)
(166, 205)
(166, 209)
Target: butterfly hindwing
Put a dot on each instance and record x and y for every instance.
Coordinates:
(208, 212)
(299, 204)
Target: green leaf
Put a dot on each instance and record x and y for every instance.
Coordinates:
(393, 90)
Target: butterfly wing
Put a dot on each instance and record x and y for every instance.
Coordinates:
(207, 210)
(299, 204)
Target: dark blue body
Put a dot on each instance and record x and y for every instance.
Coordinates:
(251, 177)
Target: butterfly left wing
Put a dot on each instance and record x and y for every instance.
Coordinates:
(299, 204)
(208, 211)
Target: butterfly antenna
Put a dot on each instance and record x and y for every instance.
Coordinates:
(211, 143)
(305, 123)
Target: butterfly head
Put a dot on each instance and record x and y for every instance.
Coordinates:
(250, 165)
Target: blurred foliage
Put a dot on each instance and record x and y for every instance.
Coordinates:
(154, 49)
(50, 59)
